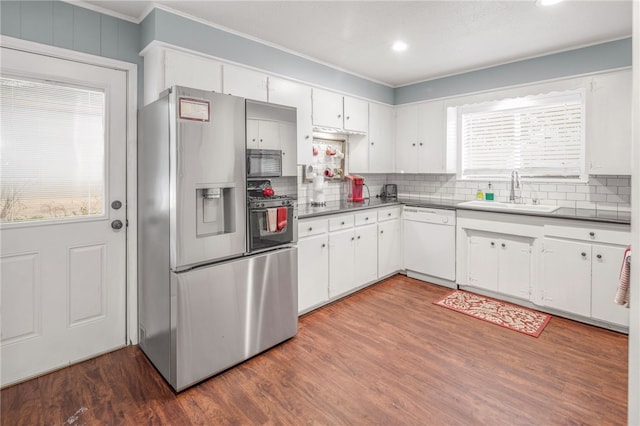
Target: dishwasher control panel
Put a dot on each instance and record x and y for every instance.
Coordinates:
(429, 215)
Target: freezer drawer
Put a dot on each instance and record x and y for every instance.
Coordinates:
(229, 312)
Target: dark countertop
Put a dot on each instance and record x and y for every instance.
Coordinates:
(306, 211)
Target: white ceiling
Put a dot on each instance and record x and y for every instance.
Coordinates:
(444, 37)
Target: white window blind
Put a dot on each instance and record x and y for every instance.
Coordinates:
(52, 150)
(540, 136)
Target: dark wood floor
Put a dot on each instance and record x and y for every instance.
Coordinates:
(385, 355)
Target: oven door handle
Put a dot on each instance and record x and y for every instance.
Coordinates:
(261, 210)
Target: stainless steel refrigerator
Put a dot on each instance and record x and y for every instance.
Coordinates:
(205, 303)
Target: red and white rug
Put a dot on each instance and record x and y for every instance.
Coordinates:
(496, 312)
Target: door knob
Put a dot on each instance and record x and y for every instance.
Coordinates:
(116, 224)
(116, 204)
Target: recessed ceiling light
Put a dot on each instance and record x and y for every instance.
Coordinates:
(399, 46)
(548, 2)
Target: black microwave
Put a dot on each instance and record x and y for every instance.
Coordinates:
(264, 163)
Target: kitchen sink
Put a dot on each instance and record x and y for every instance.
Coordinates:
(495, 205)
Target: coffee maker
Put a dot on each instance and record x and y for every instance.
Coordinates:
(353, 188)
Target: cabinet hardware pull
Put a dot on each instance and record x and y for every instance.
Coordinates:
(388, 214)
(413, 144)
(323, 245)
(358, 236)
(310, 229)
(420, 143)
(599, 256)
(504, 245)
(366, 218)
(592, 234)
(371, 143)
(348, 117)
(382, 232)
(339, 115)
(492, 244)
(583, 254)
(306, 136)
(352, 238)
(342, 223)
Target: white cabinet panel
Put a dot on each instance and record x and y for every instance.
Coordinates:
(263, 134)
(184, 69)
(356, 114)
(482, 261)
(327, 109)
(389, 247)
(285, 92)
(514, 268)
(566, 276)
(243, 82)
(609, 124)
(381, 143)
(366, 254)
(606, 262)
(421, 138)
(341, 262)
(288, 142)
(313, 271)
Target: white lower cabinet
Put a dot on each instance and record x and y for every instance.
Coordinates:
(343, 252)
(389, 242)
(341, 262)
(581, 269)
(313, 271)
(566, 276)
(500, 263)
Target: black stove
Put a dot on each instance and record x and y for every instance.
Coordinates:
(257, 199)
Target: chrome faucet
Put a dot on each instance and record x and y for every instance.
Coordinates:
(515, 183)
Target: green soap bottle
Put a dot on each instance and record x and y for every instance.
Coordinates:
(489, 194)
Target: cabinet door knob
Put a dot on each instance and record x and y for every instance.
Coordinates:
(323, 245)
(599, 256)
(352, 238)
(339, 115)
(583, 254)
(342, 223)
(358, 236)
(366, 218)
(348, 117)
(306, 136)
(592, 234)
(310, 229)
(371, 143)
(382, 231)
(492, 244)
(413, 144)
(388, 214)
(420, 143)
(504, 245)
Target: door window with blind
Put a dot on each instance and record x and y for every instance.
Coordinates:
(541, 136)
(52, 150)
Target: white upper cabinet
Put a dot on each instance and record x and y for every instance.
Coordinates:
(332, 109)
(421, 138)
(381, 132)
(285, 92)
(356, 114)
(609, 124)
(243, 82)
(164, 68)
(327, 109)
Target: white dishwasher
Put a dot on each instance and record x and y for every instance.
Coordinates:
(430, 244)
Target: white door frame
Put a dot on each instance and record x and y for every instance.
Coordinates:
(132, 141)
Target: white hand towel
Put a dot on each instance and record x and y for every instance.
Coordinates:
(272, 220)
(622, 293)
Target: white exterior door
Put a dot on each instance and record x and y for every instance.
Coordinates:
(63, 254)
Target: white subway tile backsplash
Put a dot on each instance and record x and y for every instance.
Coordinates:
(601, 192)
